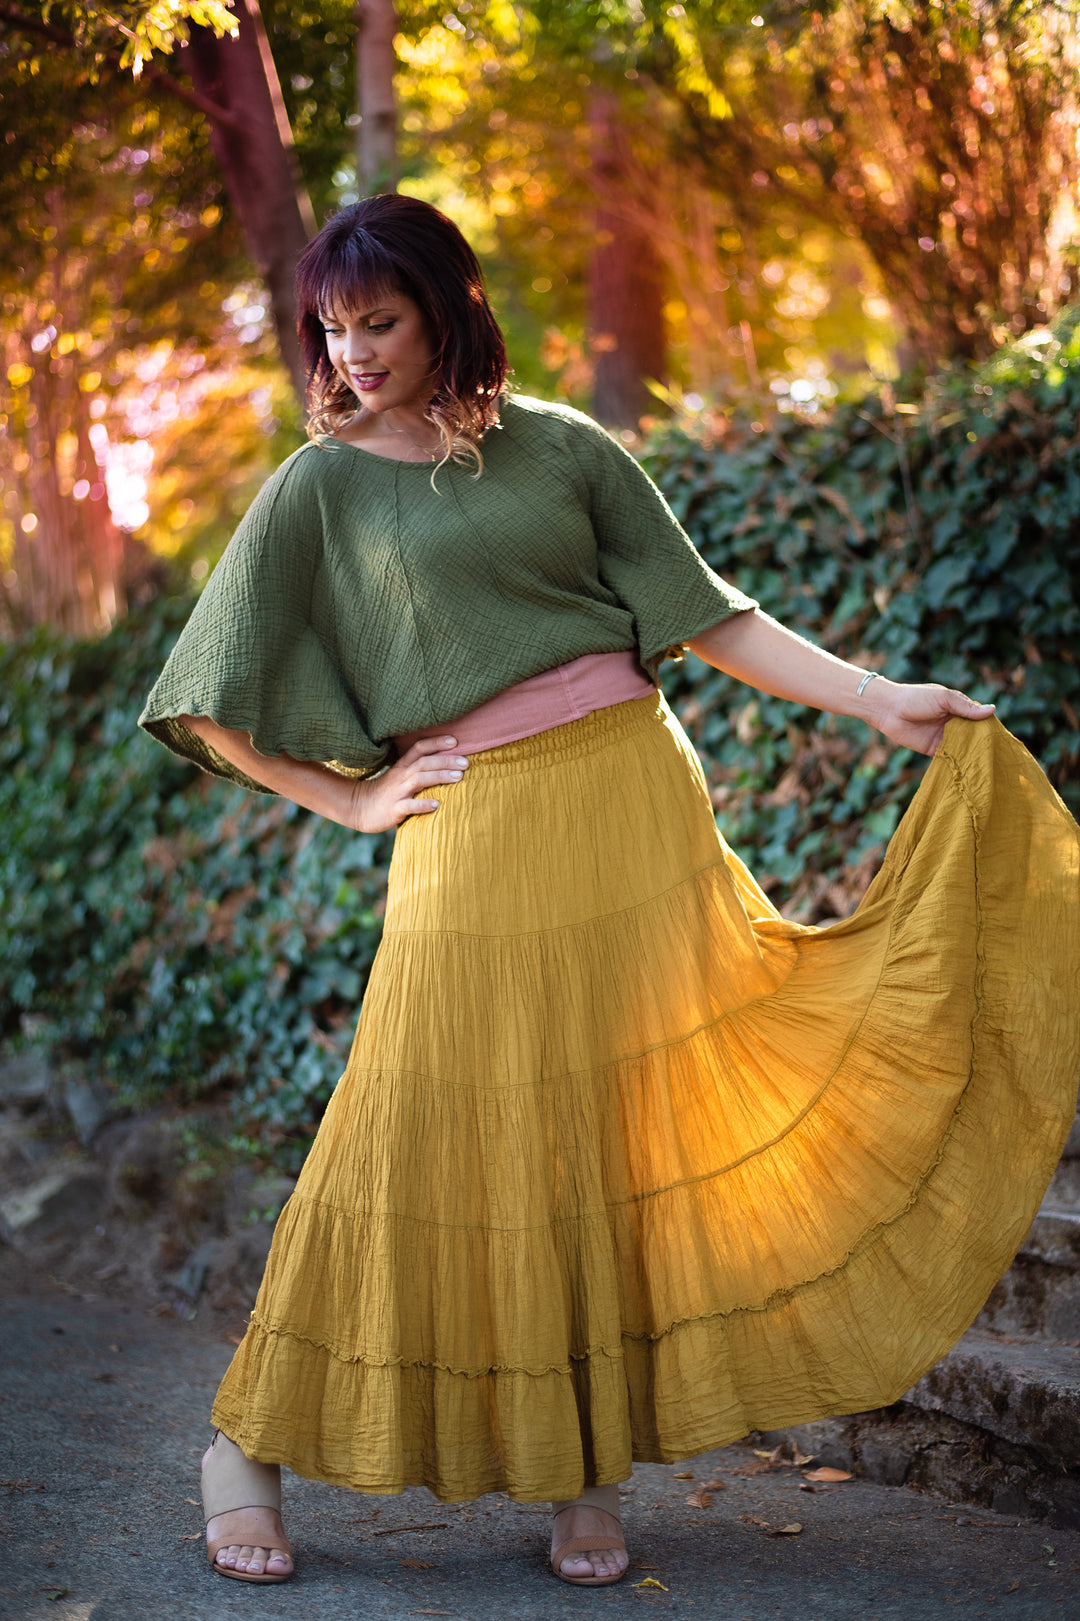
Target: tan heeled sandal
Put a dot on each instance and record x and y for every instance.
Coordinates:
(240, 1482)
(579, 1545)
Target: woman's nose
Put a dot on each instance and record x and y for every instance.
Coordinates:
(357, 346)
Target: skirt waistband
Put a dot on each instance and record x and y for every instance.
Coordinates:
(597, 730)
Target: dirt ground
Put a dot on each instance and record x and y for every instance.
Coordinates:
(104, 1417)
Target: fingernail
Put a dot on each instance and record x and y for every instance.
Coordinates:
(448, 742)
(461, 762)
(455, 776)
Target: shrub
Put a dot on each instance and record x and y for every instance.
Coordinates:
(178, 934)
(937, 543)
(185, 937)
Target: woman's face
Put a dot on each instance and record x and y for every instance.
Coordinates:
(383, 353)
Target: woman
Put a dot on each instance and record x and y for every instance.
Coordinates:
(623, 1164)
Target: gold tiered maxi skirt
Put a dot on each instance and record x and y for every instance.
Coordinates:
(624, 1164)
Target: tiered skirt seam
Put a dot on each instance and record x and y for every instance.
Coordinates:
(778, 1297)
(673, 1044)
(391, 932)
(366, 1360)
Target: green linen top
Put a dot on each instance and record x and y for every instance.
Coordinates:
(356, 602)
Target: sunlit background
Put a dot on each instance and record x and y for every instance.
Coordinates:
(814, 205)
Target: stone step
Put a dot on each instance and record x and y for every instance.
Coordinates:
(1039, 1296)
(1064, 1190)
(996, 1424)
(1024, 1391)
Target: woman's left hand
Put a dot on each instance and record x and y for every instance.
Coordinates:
(914, 716)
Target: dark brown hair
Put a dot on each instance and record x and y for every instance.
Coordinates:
(395, 244)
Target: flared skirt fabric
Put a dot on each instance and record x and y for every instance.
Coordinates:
(624, 1164)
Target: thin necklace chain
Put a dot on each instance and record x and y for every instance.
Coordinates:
(425, 455)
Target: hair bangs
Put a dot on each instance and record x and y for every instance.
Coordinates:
(351, 278)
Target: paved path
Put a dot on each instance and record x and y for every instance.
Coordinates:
(103, 1420)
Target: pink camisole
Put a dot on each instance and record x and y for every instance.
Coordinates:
(552, 698)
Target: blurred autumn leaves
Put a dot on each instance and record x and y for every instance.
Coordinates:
(678, 205)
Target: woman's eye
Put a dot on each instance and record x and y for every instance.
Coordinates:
(383, 326)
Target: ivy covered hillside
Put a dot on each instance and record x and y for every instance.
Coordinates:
(185, 940)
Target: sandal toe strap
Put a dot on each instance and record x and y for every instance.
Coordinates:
(577, 1545)
(277, 1544)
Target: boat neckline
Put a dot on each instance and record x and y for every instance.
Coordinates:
(375, 456)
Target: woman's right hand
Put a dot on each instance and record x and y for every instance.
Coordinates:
(383, 802)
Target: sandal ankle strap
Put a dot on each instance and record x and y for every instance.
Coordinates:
(232, 1480)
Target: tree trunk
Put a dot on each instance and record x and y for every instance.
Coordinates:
(254, 148)
(69, 568)
(376, 147)
(626, 286)
(68, 563)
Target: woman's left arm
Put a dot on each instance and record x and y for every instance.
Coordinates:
(755, 649)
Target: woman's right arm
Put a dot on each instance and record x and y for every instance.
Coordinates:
(368, 805)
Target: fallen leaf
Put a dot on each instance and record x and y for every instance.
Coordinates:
(800, 1459)
(758, 1454)
(715, 1484)
(194, 1501)
(196, 1536)
(699, 1499)
(828, 1474)
(753, 1519)
(55, 1592)
(416, 1564)
(787, 1530)
(805, 1488)
(1013, 1587)
(687, 1476)
(636, 1564)
(652, 1582)
(433, 1612)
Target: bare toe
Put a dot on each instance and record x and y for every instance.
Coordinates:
(600, 1563)
(250, 1557)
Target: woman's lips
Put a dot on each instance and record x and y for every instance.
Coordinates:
(369, 381)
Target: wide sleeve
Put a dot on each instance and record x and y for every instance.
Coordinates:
(644, 555)
(259, 653)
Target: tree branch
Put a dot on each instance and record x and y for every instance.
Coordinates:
(59, 36)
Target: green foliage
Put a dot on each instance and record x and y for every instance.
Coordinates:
(937, 544)
(186, 938)
(131, 31)
(179, 935)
